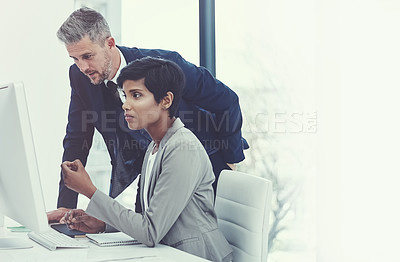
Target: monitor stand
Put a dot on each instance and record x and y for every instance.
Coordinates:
(11, 242)
(14, 243)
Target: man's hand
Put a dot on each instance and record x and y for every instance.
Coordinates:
(76, 178)
(79, 220)
(56, 215)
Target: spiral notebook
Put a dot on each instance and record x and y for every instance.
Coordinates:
(112, 239)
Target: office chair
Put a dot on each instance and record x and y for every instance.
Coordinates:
(243, 205)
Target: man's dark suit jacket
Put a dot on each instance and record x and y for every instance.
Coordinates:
(208, 108)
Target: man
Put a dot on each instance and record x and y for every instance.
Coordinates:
(208, 107)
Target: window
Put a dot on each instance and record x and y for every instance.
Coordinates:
(265, 51)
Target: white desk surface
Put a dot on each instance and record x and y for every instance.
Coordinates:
(94, 253)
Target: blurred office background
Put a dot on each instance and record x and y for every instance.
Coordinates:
(315, 81)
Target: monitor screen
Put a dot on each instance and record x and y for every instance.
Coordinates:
(21, 197)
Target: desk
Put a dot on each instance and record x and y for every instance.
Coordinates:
(94, 253)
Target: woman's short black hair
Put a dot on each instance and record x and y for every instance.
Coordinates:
(160, 76)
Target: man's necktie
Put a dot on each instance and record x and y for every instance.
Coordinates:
(113, 89)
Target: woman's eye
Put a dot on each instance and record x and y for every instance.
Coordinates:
(136, 95)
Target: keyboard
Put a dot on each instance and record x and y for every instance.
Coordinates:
(53, 240)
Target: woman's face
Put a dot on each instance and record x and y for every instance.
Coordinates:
(141, 109)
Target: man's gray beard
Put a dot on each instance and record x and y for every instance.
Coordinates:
(106, 72)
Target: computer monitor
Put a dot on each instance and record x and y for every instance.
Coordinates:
(21, 197)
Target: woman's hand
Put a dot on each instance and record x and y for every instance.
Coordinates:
(79, 220)
(77, 179)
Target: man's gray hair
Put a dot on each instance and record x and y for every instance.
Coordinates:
(84, 22)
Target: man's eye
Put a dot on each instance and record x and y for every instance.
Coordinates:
(87, 56)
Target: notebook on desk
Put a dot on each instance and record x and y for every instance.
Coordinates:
(112, 239)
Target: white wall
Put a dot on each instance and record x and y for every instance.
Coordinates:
(30, 52)
(173, 25)
(358, 77)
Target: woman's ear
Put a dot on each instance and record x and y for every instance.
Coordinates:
(166, 102)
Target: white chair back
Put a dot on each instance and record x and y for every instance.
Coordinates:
(243, 205)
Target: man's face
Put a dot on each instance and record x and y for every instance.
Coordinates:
(92, 59)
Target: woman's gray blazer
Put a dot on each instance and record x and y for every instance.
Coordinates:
(180, 197)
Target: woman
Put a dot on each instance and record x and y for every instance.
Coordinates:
(176, 181)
